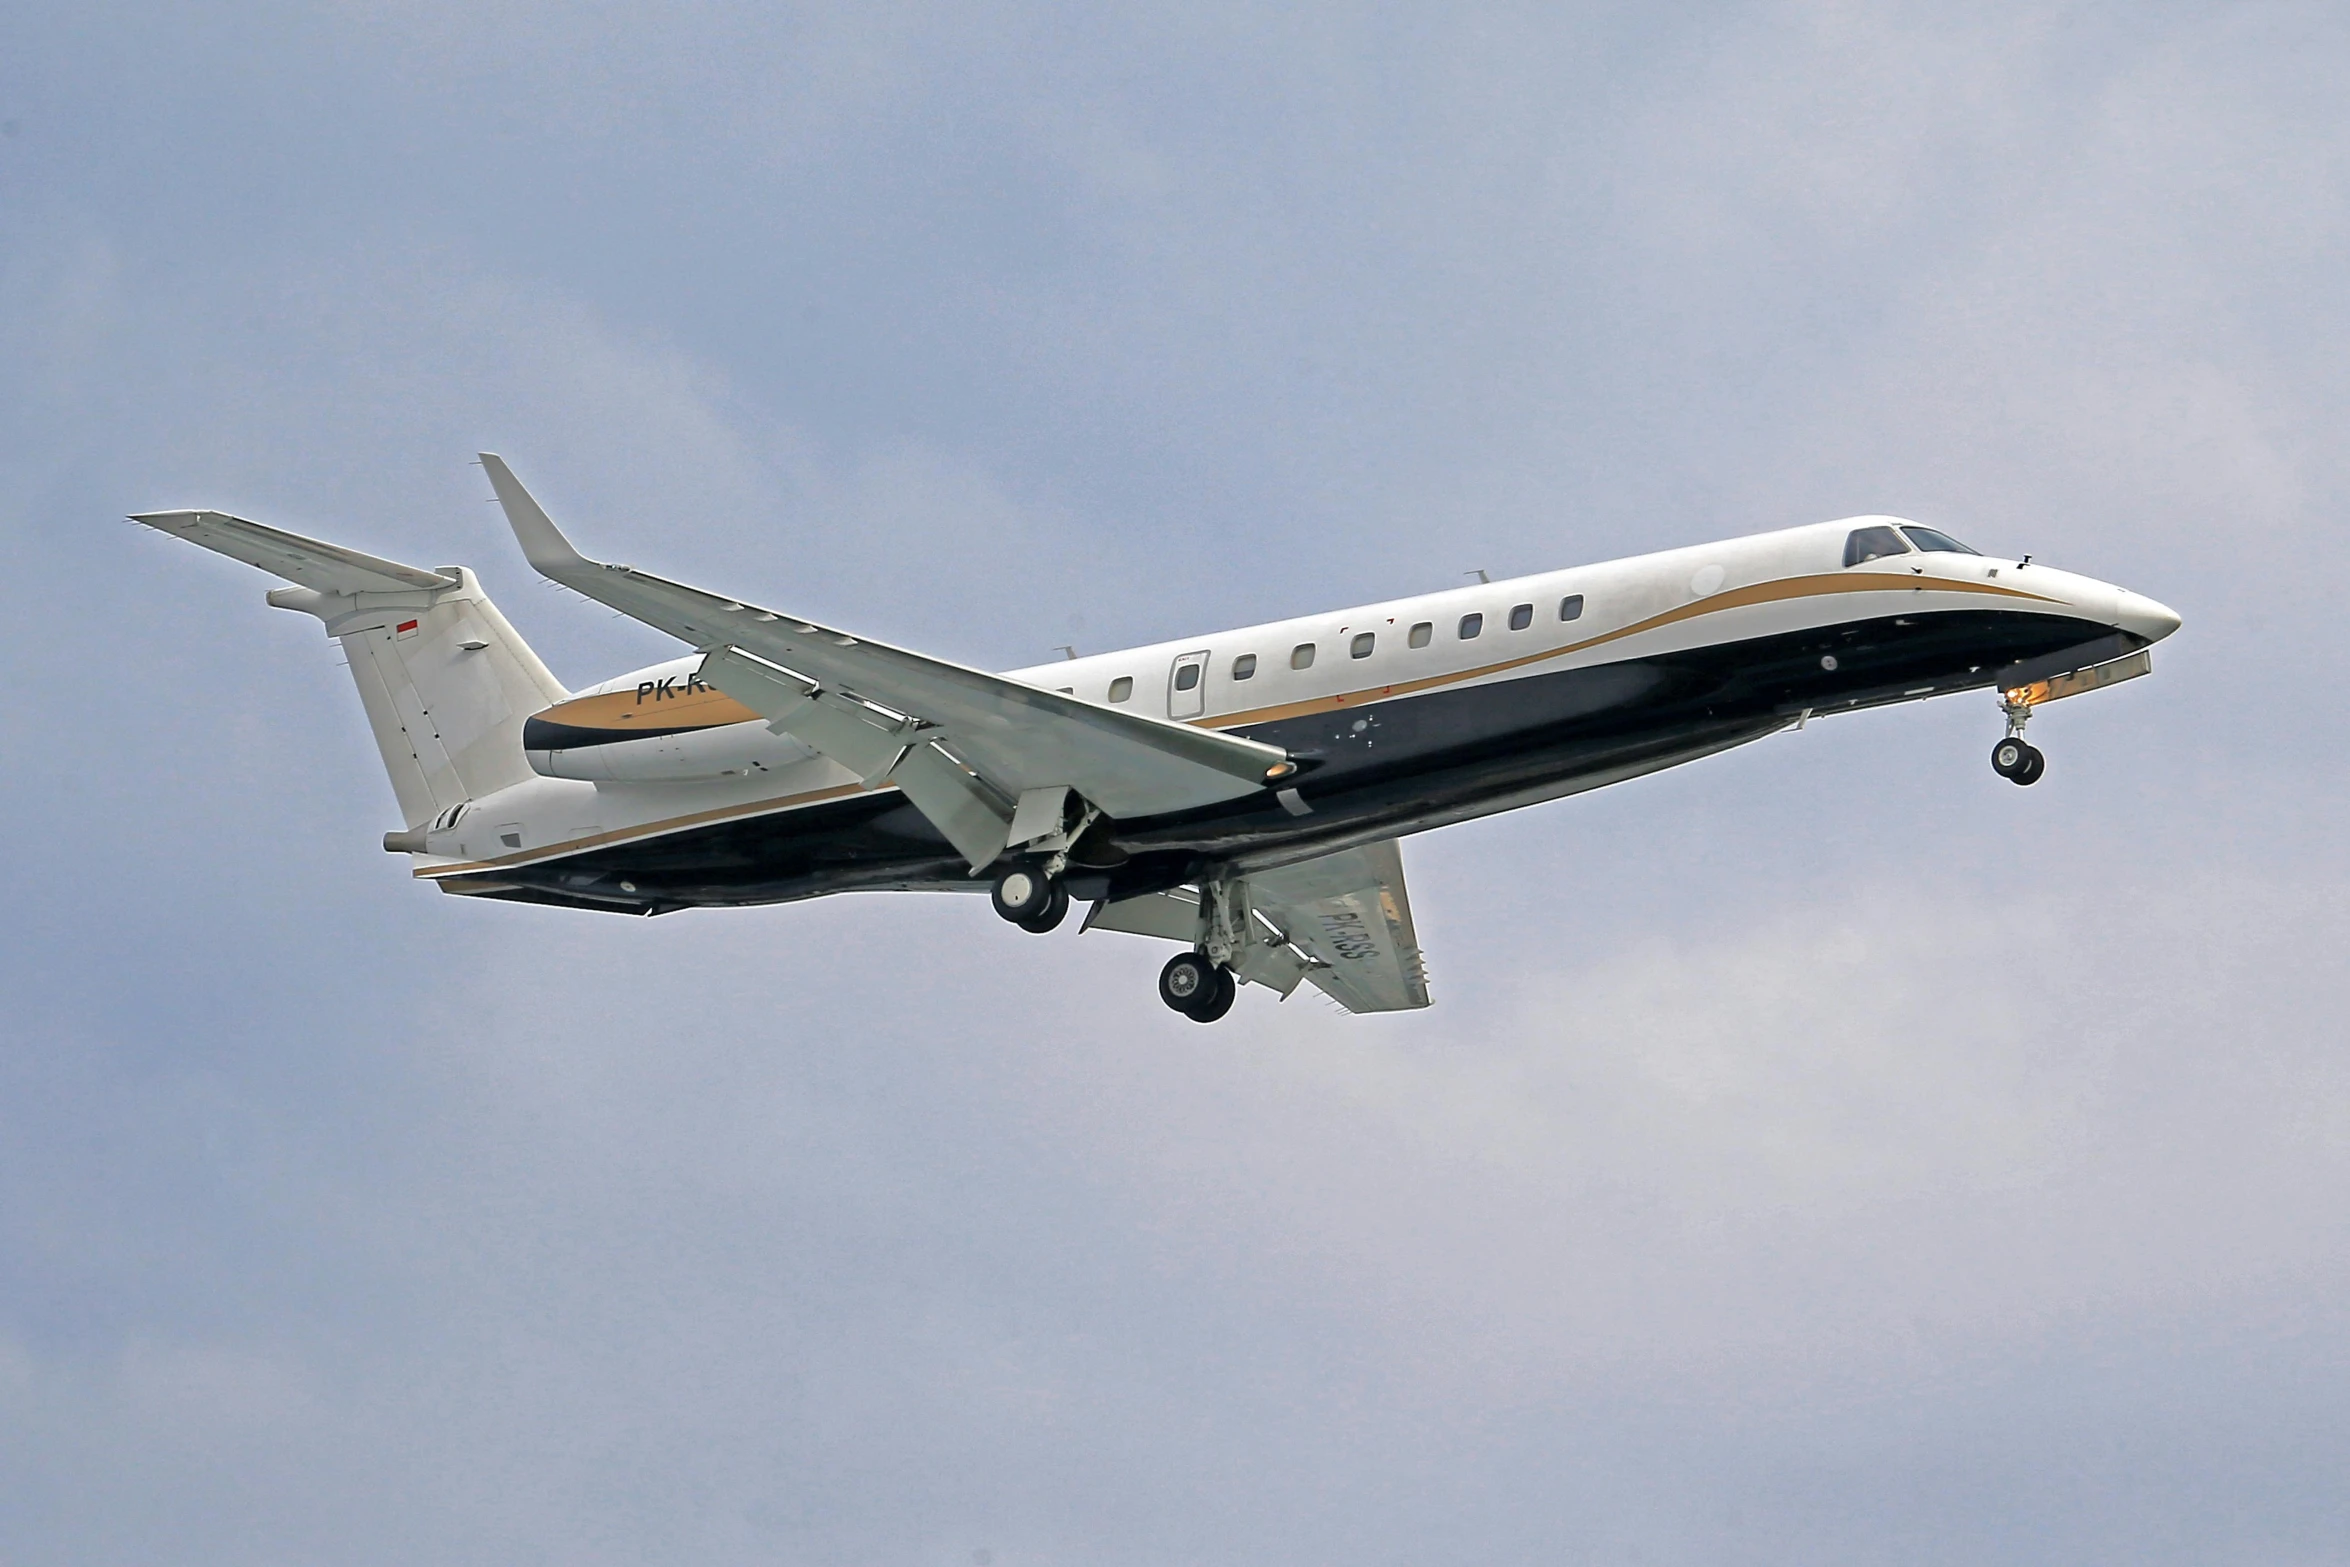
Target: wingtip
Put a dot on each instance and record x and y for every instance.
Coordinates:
(543, 544)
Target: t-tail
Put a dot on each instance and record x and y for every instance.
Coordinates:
(446, 681)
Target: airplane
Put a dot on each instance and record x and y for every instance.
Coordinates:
(1239, 793)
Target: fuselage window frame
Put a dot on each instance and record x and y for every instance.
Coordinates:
(1187, 676)
(1245, 667)
(1362, 645)
(1521, 616)
(1423, 632)
(1472, 625)
(1122, 689)
(1302, 656)
(1863, 545)
(1943, 543)
(1571, 607)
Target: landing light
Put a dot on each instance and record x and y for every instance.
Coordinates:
(1280, 771)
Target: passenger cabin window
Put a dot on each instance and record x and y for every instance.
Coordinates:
(1521, 616)
(1471, 626)
(1866, 544)
(1422, 632)
(1934, 542)
(1363, 643)
(1121, 688)
(1571, 607)
(1244, 667)
(1302, 656)
(1187, 677)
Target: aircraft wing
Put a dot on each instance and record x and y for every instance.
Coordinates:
(1349, 912)
(822, 684)
(329, 568)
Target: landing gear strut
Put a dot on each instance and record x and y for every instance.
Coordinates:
(2013, 758)
(1199, 989)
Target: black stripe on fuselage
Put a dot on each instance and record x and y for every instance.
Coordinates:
(1390, 766)
(544, 734)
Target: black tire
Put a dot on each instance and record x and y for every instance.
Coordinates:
(1187, 978)
(1218, 999)
(2009, 755)
(1055, 911)
(1021, 892)
(2034, 765)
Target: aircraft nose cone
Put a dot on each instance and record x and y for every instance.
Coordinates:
(2141, 616)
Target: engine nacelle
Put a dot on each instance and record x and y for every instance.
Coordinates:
(657, 725)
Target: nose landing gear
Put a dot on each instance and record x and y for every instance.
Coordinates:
(2013, 758)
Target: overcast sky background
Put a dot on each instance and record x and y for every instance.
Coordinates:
(1822, 1153)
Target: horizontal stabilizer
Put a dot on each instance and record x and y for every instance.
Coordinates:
(330, 568)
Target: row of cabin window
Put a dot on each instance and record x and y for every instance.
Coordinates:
(1301, 656)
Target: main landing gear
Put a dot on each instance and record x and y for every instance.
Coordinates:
(1196, 987)
(1199, 983)
(2013, 758)
(1030, 899)
(2017, 762)
(1028, 890)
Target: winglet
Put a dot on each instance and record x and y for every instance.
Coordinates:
(543, 544)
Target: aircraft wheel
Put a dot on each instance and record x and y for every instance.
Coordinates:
(1055, 911)
(1023, 892)
(2034, 764)
(1187, 981)
(1218, 999)
(2008, 756)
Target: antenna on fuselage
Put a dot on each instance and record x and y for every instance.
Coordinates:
(1479, 574)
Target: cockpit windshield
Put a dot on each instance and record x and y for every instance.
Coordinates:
(1929, 540)
(1866, 544)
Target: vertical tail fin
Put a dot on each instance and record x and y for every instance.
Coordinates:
(446, 681)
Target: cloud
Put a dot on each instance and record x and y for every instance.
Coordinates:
(1822, 1152)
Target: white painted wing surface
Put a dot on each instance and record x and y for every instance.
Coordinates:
(1350, 912)
(329, 568)
(1016, 736)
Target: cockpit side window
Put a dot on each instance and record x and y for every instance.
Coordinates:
(1932, 541)
(1872, 544)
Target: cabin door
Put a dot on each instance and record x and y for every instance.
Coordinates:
(1187, 686)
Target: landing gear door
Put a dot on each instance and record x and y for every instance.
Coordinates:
(1187, 686)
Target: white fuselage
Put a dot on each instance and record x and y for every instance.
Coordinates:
(1482, 634)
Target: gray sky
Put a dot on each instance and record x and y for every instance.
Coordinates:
(1824, 1153)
